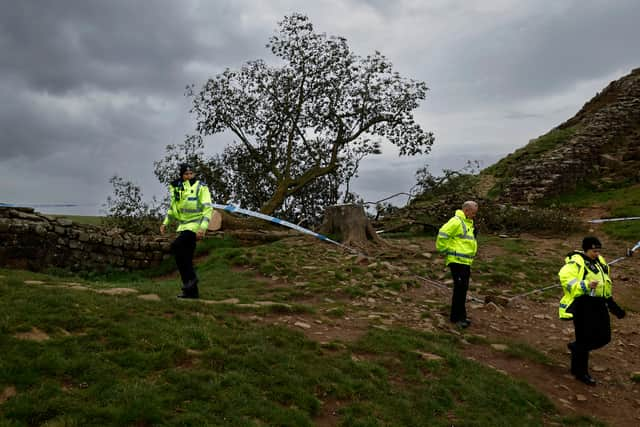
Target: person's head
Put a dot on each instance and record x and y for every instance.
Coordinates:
(186, 171)
(591, 246)
(470, 208)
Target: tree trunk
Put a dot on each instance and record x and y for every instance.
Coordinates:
(351, 224)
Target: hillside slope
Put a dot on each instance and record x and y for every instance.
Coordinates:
(599, 146)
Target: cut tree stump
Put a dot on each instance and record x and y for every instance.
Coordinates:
(351, 223)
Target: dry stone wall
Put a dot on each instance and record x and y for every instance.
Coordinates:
(34, 241)
(606, 143)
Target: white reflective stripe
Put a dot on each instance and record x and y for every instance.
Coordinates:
(198, 196)
(465, 237)
(571, 283)
(454, 253)
(443, 234)
(190, 221)
(190, 210)
(464, 226)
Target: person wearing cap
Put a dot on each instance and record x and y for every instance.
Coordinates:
(587, 299)
(457, 240)
(191, 208)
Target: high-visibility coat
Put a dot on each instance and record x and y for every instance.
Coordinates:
(575, 276)
(456, 239)
(190, 205)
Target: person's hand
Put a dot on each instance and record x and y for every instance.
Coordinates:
(162, 228)
(200, 234)
(593, 284)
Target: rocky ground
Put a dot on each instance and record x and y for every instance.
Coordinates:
(495, 328)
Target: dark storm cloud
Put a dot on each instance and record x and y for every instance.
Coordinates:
(541, 52)
(92, 72)
(113, 45)
(95, 88)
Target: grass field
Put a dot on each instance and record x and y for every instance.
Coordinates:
(117, 360)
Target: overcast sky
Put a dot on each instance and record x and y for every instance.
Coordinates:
(90, 89)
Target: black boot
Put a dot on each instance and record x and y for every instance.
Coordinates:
(190, 289)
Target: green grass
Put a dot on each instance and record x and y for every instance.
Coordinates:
(120, 360)
(123, 361)
(532, 150)
(620, 202)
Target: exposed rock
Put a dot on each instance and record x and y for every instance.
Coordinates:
(7, 394)
(34, 334)
(428, 356)
(602, 140)
(149, 297)
(117, 291)
(499, 347)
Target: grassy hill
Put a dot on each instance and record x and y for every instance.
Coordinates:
(295, 332)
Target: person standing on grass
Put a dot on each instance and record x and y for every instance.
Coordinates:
(457, 240)
(191, 208)
(587, 299)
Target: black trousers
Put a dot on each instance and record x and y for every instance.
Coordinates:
(183, 248)
(461, 274)
(593, 330)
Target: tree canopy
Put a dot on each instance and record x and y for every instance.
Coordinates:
(314, 115)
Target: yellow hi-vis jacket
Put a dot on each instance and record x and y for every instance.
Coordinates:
(575, 277)
(456, 239)
(190, 205)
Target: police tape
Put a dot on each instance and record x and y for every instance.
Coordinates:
(628, 218)
(236, 209)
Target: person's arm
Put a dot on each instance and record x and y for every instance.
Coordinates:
(204, 198)
(450, 229)
(571, 279)
(615, 309)
(170, 212)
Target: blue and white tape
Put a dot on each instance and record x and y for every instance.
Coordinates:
(628, 218)
(236, 209)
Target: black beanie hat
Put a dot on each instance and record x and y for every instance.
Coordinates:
(591, 242)
(185, 167)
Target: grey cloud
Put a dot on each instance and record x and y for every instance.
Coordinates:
(95, 88)
(543, 52)
(114, 45)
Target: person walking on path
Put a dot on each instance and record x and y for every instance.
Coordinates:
(191, 208)
(457, 240)
(587, 299)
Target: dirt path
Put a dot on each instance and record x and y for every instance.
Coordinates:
(616, 397)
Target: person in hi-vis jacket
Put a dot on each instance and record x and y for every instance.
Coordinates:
(587, 299)
(191, 208)
(457, 240)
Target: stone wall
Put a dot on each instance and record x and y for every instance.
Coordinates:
(605, 145)
(34, 241)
